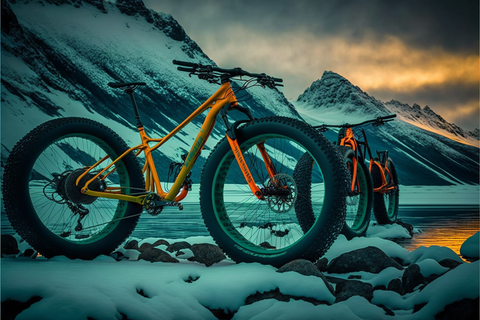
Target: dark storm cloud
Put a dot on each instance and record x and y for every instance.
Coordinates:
(450, 25)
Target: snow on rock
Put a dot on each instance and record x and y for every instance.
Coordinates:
(470, 248)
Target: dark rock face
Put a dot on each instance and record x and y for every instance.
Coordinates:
(277, 295)
(412, 278)
(322, 264)
(450, 263)
(466, 309)
(306, 268)
(395, 285)
(369, 259)
(156, 255)
(206, 253)
(9, 245)
(348, 289)
(12, 308)
(407, 226)
(178, 246)
(133, 244)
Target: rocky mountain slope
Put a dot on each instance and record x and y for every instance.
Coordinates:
(425, 148)
(59, 55)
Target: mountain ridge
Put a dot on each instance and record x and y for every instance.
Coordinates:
(425, 148)
(335, 91)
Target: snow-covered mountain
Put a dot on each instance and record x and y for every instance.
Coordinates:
(59, 55)
(426, 149)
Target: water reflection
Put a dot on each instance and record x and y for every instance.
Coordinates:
(440, 225)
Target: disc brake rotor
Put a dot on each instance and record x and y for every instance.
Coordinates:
(280, 192)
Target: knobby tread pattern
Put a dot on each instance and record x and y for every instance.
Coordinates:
(336, 217)
(347, 231)
(379, 208)
(22, 221)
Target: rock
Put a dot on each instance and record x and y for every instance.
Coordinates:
(145, 247)
(206, 253)
(348, 289)
(463, 309)
(450, 263)
(155, 255)
(160, 242)
(9, 245)
(369, 259)
(354, 276)
(178, 246)
(322, 264)
(132, 244)
(412, 278)
(407, 226)
(306, 268)
(277, 295)
(395, 285)
(117, 255)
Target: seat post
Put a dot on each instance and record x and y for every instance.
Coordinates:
(134, 104)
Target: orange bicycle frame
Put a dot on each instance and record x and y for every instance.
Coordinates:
(220, 99)
(349, 141)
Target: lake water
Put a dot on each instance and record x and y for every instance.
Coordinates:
(441, 225)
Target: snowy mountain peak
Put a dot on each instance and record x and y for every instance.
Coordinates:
(335, 91)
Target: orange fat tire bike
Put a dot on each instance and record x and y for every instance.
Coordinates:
(375, 185)
(73, 187)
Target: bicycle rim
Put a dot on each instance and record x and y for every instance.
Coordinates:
(357, 205)
(270, 226)
(390, 197)
(49, 180)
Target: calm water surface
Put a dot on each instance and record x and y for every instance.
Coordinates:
(446, 226)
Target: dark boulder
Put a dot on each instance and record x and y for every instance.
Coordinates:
(412, 278)
(206, 253)
(9, 245)
(322, 264)
(369, 259)
(466, 309)
(305, 268)
(450, 263)
(178, 246)
(348, 289)
(156, 255)
(395, 285)
(132, 244)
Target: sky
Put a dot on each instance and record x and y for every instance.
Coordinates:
(424, 52)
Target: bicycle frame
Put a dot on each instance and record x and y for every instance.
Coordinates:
(223, 98)
(349, 140)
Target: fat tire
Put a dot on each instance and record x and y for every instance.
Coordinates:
(19, 207)
(329, 224)
(381, 212)
(361, 230)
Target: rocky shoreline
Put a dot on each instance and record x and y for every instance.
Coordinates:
(381, 278)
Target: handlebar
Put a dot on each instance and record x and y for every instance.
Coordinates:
(375, 122)
(199, 69)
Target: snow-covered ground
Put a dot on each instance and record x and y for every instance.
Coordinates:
(129, 289)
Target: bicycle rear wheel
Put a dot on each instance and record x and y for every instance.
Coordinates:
(267, 230)
(45, 206)
(385, 204)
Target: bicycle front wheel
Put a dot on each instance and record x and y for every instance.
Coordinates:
(359, 200)
(43, 202)
(267, 230)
